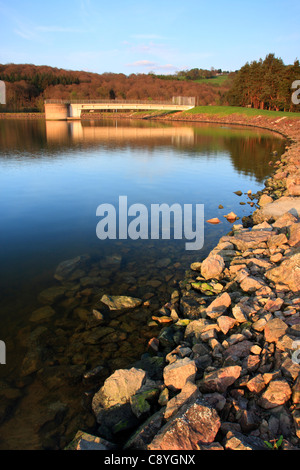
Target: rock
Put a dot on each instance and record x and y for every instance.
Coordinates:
(276, 209)
(218, 306)
(42, 314)
(293, 185)
(163, 263)
(153, 344)
(273, 305)
(294, 235)
(65, 269)
(195, 423)
(178, 373)
(277, 240)
(96, 335)
(249, 421)
(290, 369)
(145, 433)
(274, 329)
(212, 446)
(251, 239)
(256, 384)
(116, 419)
(239, 350)
(226, 323)
(219, 380)
(262, 226)
(140, 402)
(252, 284)
(264, 199)
(216, 400)
(93, 376)
(212, 267)
(118, 388)
(194, 330)
(188, 392)
(287, 274)
(214, 221)
(153, 366)
(237, 441)
(277, 393)
(196, 266)
(190, 307)
(51, 295)
(241, 311)
(284, 221)
(231, 217)
(120, 302)
(85, 441)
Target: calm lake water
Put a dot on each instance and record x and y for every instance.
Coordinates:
(53, 176)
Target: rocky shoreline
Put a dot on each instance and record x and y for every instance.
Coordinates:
(223, 374)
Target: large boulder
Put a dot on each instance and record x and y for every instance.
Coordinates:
(212, 267)
(179, 372)
(287, 274)
(196, 423)
(118, 388)
(219, 306)
(276, 209)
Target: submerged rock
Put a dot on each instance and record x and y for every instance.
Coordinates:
(120, 302)
(65, 269)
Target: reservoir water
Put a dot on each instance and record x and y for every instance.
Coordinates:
(53, 176)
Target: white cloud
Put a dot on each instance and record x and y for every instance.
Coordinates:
(143, 63)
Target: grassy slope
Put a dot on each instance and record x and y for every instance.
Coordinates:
(217, 81)
(227, 110)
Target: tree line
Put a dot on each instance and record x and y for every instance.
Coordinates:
(264, 84)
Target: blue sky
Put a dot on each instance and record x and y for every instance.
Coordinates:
(137, 36)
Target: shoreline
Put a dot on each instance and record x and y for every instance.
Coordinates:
(235, 371)
(232, 362)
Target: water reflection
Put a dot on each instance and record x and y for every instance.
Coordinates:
(53, 176)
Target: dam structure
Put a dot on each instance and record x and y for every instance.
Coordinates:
(62, 110)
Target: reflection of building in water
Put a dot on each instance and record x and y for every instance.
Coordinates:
(63, 131)
(57, 132)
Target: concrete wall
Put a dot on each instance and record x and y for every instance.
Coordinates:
(56, 112)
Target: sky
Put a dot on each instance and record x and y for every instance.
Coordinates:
(137, 36)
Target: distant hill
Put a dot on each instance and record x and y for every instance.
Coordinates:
(29, 85)
(263, 84)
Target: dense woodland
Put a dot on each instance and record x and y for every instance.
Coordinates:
(265, 84)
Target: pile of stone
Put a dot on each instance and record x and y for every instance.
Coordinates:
(224, 373)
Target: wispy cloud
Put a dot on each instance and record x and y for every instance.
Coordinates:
(142, 63)
(153, 66)
(25, 33)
